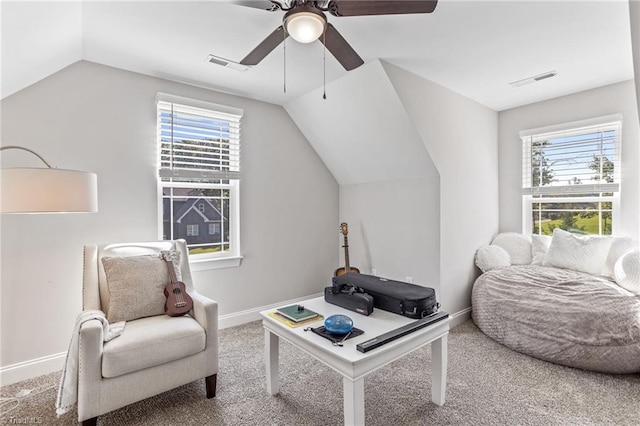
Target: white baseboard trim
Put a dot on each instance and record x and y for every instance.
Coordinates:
(253, 314)
(32, 368)
(48, 364)
(460, 317)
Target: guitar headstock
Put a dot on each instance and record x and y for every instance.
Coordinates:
(170, 255)
(344, 228)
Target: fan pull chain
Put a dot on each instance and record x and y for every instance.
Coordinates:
(284, 41)
(324, 66)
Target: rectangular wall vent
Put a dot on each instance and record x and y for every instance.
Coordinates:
(226, 63)
(544, 76)
(533, 79)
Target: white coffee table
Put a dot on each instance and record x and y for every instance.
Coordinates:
(347, 360)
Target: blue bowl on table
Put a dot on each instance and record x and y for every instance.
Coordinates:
(338, 324)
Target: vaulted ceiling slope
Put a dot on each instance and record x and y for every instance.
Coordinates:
(378, 145)
(475, 48)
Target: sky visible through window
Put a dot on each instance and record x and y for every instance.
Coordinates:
(579, 159)
(194, 142)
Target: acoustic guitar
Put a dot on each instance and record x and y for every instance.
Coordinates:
(341, 271)
(178, 301)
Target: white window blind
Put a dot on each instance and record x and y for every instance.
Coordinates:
(577, 160)
(198, 143)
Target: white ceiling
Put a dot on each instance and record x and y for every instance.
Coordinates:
(474, 48)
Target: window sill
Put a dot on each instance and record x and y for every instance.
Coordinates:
(215, 263)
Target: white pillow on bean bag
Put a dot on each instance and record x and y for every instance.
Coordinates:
(539, 247)
(492, 257)
(517, 245)
(619, 246)
(627, 271)
(584, 254)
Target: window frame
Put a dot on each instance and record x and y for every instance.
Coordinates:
(228, 181)
(575, 127)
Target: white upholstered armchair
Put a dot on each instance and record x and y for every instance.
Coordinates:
(154, 353)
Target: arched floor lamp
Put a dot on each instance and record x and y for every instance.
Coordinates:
(47, 190)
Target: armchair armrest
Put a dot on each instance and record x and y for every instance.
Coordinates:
(90, 345)
(205, 311)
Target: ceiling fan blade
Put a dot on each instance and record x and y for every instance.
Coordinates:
(272, 41)
(377, 7)
(340, 49)
(259, 4)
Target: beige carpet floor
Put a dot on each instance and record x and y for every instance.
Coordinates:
(488, 384)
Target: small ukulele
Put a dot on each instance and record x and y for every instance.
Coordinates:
(178, 301)
(341, 271)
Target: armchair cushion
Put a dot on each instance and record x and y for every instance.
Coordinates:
(152, 341)
(136, 286)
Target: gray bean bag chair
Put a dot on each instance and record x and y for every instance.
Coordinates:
(561, 316)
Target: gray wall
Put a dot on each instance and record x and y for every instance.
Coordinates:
(96, 118)
(461, 137)
(395, 228)
(612, 99)
(634, 17)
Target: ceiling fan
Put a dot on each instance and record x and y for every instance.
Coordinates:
(305, 21)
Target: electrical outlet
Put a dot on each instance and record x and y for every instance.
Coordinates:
(374, 272)
(409, 280)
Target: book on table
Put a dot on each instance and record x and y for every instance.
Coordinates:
(297, 313)
(278, 316)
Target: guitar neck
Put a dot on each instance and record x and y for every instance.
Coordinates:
(347, 268)
(172, 271)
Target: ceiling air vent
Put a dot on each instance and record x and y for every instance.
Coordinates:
(226, 63)
(533, 79)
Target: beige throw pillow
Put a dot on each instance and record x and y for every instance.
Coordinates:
(136, 286)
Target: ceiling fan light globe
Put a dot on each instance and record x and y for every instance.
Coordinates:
(305, 27)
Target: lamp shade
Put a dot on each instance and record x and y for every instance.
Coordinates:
(305, 27)
(48, 190)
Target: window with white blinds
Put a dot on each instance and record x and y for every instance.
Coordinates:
(198, 142)
(199, 177)
(571, 176)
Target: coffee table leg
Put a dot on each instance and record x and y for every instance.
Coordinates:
(439, 370)
(271, 354)
(353, 401)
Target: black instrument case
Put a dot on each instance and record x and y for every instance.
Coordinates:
(347, 297)
(410, 300)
